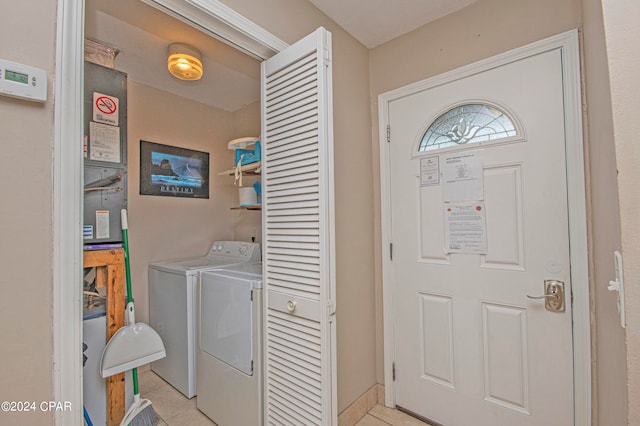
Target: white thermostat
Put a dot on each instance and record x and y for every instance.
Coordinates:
(22, 81)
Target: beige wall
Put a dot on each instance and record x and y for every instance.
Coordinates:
(481, 30)
(622, 32)
(26, 211)
(290, 20)
(26, 346)
(493, 26)
(608, 339)
(163, 228)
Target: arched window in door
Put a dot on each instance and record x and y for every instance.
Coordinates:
(469, 123)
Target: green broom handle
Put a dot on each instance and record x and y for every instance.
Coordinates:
(125, 243)
(127, 268)
(134, 375)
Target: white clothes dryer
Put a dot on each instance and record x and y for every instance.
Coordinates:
(230, 390)
(173, 303)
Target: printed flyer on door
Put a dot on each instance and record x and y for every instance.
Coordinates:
(465, 227)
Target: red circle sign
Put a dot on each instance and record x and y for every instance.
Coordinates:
(106, 105)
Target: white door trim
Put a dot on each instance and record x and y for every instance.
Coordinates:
(67, 211)
(68, 177)
(220, 21)
(568, 43)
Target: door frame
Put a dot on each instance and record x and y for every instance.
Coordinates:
(576, 197)
(210, 16)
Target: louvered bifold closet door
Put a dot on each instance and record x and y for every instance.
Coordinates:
(298, 257)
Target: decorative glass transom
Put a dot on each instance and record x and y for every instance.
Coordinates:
(466, 124)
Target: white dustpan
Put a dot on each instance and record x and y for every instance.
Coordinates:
(132, 346)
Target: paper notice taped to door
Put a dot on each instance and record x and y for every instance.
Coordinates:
(430, 171)
(462, 178)
(465, 228)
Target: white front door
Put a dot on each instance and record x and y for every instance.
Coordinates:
(479, 220)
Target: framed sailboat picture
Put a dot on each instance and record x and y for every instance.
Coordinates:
(174, 172)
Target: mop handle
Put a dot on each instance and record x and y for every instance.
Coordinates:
(125, 242)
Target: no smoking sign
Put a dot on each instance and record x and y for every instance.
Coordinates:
(105, 109)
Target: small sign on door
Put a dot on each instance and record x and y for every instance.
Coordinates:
(430, 171)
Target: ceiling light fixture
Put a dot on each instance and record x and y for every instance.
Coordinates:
(184, 62)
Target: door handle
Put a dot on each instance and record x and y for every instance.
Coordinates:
(553, 296)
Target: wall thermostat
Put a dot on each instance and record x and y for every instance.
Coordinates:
(22, 81)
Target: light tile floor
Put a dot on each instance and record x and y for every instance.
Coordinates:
(174, 409)
(383, 416)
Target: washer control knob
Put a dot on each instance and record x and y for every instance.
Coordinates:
(243, 249)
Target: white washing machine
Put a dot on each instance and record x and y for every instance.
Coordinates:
(172, 307)
(230, 354)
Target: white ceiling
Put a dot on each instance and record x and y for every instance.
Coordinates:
(374, 22)
(142, 35)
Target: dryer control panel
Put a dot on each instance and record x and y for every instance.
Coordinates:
(236, 249)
